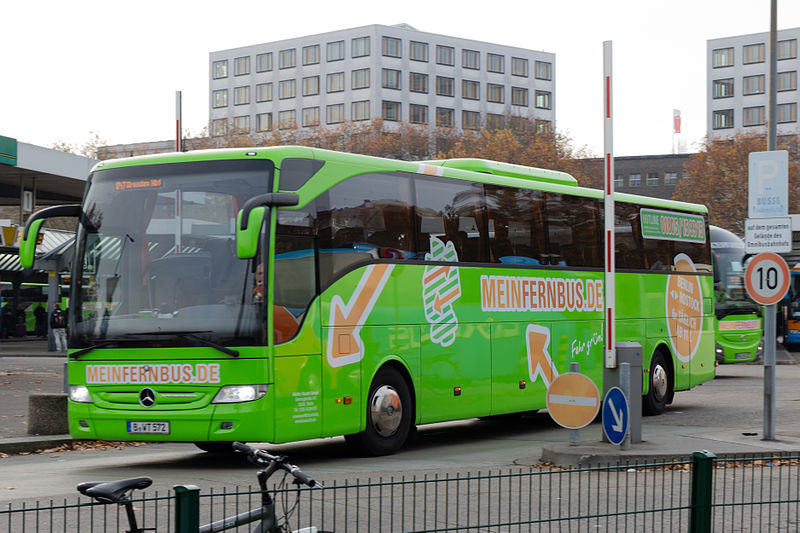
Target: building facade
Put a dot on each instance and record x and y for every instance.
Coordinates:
(645, 175)
(392, 72)
(738, 83)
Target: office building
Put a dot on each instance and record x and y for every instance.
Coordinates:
(738, 83)
(392, 72)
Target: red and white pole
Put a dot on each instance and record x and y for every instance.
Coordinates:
(608, 145)
(178, 137)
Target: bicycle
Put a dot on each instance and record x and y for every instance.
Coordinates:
(119, 492)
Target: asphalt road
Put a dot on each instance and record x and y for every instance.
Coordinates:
(720, 413)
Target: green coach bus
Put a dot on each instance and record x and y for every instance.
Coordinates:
(288, 293)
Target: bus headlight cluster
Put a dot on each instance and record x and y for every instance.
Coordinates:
(80, 394)
(240, 393)
(719, 349)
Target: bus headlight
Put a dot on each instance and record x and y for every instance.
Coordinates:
(719, 349)
(239, 393)
(80, 394)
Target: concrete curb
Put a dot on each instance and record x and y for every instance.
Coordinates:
(31, 444)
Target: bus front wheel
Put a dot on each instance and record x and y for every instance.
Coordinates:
(660, 385)
(389, 416)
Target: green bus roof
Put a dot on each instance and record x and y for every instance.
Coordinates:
(496, 168)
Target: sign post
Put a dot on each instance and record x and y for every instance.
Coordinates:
(767, 281)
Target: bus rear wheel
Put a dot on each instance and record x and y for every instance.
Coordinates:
(390, 414)
(660, 386)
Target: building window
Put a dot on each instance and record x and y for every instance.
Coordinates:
(335, 82)
(787, 49)
(418, 51)
(753, 53)
(360, 78)
(335, 51)
(241, 95)
(264, 62)
(519, 66)
(311, 54)
(753, 84)
(310, 85)
(495, 121)
(390, 78)
(495, 63)
(445, 55)
(652, 179)
(359, 47)
(287, 89)
(787, 112)
(310, 116)
(470, 120)
(335, 113)
(445, 117)
(543, 99)
(634, 180)
(619, 181)
(219, 98)
(471, 90)
(787, 81)
(392, 47)
(723, 88)
(519, 96)
(264, 92)
(471, 59)
(219, 69)
(287, 58)
(418, 83)
(543, 126)
(219, 127)
(286, 119)
(495, 93)
(360, 110)
(390, 110)
(264, 122)
(241, 66)
(241, 124)
(670, 178)
(723, 119)
(445, 86)
(544, 70)
(722, 57)
(753, 116)
(418, 114)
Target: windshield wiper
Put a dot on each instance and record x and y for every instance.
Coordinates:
(193, 336)
(101, 344)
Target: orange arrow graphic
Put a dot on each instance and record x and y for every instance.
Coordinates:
(435, 273)
(452, 295)
(539, 361)
(347, 320)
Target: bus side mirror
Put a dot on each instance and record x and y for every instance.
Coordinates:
(30, 235)
(247, 239)
(253, 214)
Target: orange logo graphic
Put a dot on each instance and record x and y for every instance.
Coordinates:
(684, 309)
(344, 340)
(537, 338)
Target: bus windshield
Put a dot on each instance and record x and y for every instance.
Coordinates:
(156, 256)
(729, 290)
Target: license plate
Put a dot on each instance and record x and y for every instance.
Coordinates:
(743, 355)
(157, 428)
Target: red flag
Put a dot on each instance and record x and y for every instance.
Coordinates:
(676, 121)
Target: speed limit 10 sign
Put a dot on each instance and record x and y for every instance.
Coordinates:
(767, 278)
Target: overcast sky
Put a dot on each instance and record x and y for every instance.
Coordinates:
(71, 68)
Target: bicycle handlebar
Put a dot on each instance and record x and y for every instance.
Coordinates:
(280, 462)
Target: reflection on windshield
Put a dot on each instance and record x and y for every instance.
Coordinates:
(730, 293)
(160, 257)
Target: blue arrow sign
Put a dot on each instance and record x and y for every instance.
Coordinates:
(615, 415)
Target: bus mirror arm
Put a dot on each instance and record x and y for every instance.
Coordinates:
(72, 210)
(272, 199)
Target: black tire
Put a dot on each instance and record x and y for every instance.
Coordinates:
(215, 447)
(660, 389)
(389, 417)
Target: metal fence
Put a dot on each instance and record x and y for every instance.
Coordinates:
(701, 494)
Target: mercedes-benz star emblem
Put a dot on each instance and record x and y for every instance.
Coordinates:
(147, 397)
